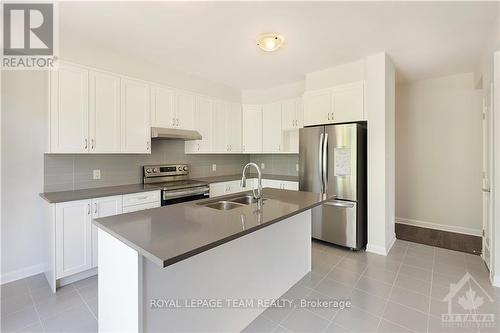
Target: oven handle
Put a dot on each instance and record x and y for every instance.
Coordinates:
(185, 193)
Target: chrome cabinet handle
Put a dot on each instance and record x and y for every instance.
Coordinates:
(173, 121)
(178, 122)
(86, 144)
(339, 204)
(147, 145)
(92, 144)
(95, 208)
(88, 209)
(198, 147)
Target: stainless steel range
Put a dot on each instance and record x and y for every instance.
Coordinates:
(173, 179)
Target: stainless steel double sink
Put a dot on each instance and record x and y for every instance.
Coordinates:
(230, 203)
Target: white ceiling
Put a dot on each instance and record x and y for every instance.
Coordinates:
(216, 40)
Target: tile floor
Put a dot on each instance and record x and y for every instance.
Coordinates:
(402, 292)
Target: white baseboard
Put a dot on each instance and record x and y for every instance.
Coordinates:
(376, 249)
(22, 273)
(391, 242)
(442, 227)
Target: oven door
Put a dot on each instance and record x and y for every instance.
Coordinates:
(183, 195)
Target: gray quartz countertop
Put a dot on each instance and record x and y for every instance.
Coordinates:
(98, 192)
(169, 234)
(227, 178)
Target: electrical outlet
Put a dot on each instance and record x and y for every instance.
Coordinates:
(297, 167)
(214, 167)
(97, 174)
(262, 166)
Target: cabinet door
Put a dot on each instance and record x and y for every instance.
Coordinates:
(73, 237)
(136, 127)
(271, 128)
(203, 124)
(271, 183)
(299, 113)
(185, 110)
(348, 102)
(104, 111)
(102, 207)
(234, 127)
(290, 123)
(69, 114)
(252, 128)
(288, 119)
(220, 133)
(162, 107)
(317, 107)
(288, 185)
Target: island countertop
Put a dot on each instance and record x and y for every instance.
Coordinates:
(169, 234)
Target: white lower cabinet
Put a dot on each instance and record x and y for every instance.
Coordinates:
(73, 237)
(280, 184)
(102, 207)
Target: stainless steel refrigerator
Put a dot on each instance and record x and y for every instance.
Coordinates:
(332, 160)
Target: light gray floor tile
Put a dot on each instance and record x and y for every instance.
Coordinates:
(449, 269)
(374, 287)
(296, 292)
(326, 312)
(352, 265)
(90, 281)
(437, 326)
(357, 320)
(92, 303)
(311, 280)
(429, 256)
(261, 324)
(403, 316)
(88, 292)
(344, 276)
(41, 295)
(380, 274)
(416, 301)
(277, 314)
(280, 329)
(370, 303)
(33, 328)
(388, 327)
(14, 288)
(336, 328)
(15, 303)
(38, 281)
(415, 272)
(68, 320)
(302, 320)
(418, 262)
(384, 263)
(418, 286)
(55, 305)
(20, 319)
(333, 288)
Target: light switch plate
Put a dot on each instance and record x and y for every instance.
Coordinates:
(97, 174)
(262, 166)
(214, 167)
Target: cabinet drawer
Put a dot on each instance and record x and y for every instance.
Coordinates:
(141, 198)
(136, 208)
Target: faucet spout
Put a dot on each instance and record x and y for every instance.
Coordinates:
(257, 196)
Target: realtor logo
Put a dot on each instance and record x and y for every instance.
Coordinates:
(465, 299)
(28, 35)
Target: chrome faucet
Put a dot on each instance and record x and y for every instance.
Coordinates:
(257, 196)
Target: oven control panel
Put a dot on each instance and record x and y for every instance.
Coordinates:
(165, 170)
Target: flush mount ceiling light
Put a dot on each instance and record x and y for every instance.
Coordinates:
(270, 42)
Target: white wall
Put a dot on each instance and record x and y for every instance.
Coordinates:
(349, 72)
(261, 96)
(439, 153)
(24, 136)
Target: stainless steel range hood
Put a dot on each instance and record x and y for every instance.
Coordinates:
(173, 133)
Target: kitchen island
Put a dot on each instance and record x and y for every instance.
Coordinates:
(194, 267)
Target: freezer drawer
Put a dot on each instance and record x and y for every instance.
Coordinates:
(338, 223)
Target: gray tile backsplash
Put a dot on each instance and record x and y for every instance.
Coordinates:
(74, 171)
(283, 164)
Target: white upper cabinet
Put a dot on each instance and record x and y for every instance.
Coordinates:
(136, 126)
(271, 127)
(343, 103)
(73, 237)
(252, 128)
(162, 107)
(220, 124)
(348, 102)
(292, 119)
(203, 124)
(69, 113)
(234, 127)
(185, 109)
(317, 107)
(104, 113)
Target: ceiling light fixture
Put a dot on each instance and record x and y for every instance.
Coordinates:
(270, 42)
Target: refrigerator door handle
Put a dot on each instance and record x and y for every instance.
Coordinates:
(320, 163)
(325, 163)
(339, 204)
